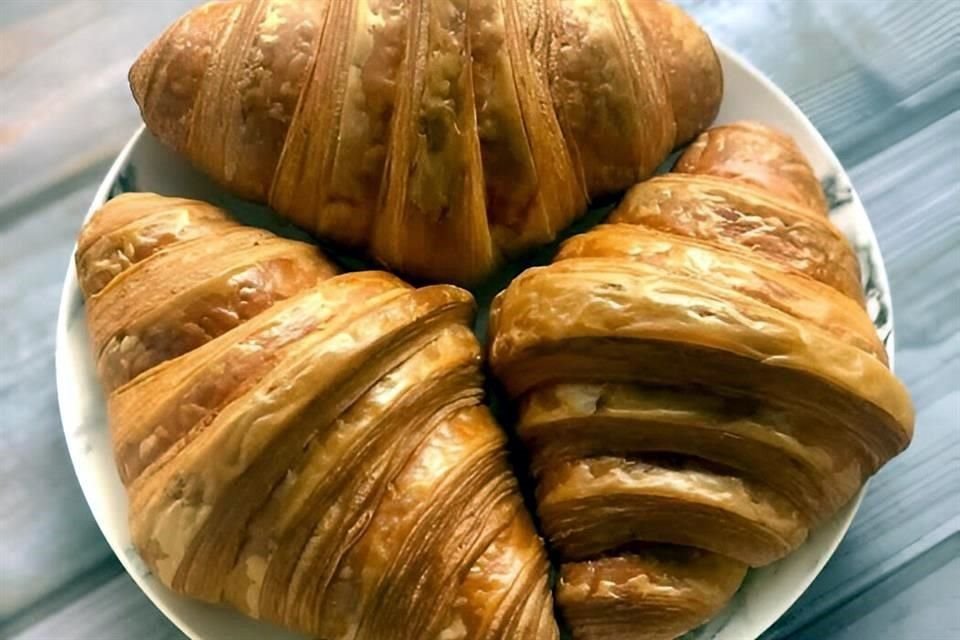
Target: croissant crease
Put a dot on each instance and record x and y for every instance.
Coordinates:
(438, 136)
(697, 377)
(309, 448)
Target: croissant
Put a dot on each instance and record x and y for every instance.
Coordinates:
(437, 136)
(306, 447)
(698, 383)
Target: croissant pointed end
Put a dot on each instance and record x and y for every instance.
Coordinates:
(759, 155)
(138, 77)
(168, 77)
(163, 104)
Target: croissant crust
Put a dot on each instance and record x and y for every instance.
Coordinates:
(438, 136)
(697, 377)
(306, 447)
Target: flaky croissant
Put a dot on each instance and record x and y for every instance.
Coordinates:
(436, 135)
(309, 448)
(699, 385)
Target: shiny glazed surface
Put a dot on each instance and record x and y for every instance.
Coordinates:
(699, 373)
(306, 447)
(438, 136)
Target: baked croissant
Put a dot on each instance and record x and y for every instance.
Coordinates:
(699, 385)
(438, 136)
(309, 448)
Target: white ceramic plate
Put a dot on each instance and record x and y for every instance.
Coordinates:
(144, 165)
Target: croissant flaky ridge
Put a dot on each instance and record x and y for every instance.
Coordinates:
(306, 447)
(698, 374)
(436, 135)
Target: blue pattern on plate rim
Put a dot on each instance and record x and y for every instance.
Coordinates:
(842, 209)
(136, 561)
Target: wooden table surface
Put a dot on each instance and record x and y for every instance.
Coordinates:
(879, 78)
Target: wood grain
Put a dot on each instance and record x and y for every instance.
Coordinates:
(42, 514)
(880, 79)
(66, 104)
(113, 609)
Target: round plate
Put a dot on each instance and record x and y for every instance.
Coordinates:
(145, 165)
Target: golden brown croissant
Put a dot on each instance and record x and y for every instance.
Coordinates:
(698, 373)
(309, 448)
(436, 135)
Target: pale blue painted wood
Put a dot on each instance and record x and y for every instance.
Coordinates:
(919, 602)
(914, 503)
(881, 79)
(112, 610)
(932, 601)
(47, 533)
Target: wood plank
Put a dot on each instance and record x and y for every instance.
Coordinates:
(43, 515)
(115, 609)
(66, 105)
(866, 73)
(919, 601)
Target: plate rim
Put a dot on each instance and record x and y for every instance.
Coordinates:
(70, 298)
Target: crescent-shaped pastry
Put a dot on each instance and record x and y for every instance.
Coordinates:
(438, 136)
(306, 447)
(697, 374)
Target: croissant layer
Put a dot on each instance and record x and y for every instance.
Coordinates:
(655, 592)
(305, 447)
(438, 136)
(698, 377)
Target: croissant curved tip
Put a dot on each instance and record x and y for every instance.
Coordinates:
(137, 78)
